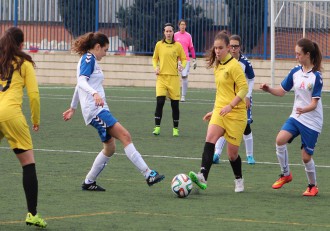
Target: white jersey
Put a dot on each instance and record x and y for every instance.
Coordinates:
(306, 86)
(89, 81)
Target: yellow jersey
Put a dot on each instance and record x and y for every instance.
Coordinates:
(11, 94)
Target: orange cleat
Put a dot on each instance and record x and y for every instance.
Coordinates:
(281, 181)
(311, 191)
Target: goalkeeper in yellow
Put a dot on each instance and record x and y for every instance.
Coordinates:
(229, 116)
(165, 63)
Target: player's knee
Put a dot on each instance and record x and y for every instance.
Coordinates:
(109, 147)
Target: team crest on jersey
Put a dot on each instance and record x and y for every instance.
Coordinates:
(310, 86)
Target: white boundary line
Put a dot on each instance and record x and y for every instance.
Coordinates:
(156, 156)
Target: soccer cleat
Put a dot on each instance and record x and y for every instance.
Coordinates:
(281, 181)
(183, 99)
(216, 158)
(175, 132)
(35, 220)
(154, 178)
(239, 185)
(198, 179)
(92, 187)
(250, 160)
(156, 131)
(311, 191)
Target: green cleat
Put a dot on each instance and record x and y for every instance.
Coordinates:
(175, 132)
(198, 179)
(156, 131)
(35, 220)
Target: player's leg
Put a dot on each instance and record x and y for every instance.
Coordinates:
(309, 139)
(288, 132)
(19, 138)
(161, 92)
(220, 144)
(119, 132)
(234, 135)
(174, 94)
(248, 141)
(184, 82)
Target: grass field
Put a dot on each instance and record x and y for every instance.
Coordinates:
(65, 151)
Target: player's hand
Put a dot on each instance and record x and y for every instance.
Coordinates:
(247, 102)
(207, 116)
(157, 71)
(98, 100)
(194, 64)
(35, 127)
(67, 115)
(264, 87)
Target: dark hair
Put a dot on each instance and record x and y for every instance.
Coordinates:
(314, 51)
(88, 41)
(236, 37)
(210, 56)
(10, 52)
(182, 20)
(164, 38)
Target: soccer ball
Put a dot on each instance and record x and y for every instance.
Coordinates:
(181, 185)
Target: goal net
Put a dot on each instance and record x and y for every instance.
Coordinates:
(292, 20)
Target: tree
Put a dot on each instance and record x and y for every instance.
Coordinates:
(246, 18)
(78, 16)
(144, 20)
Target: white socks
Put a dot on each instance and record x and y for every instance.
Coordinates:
(135, 157)
(100, 162)
(184, 85)
(310, 172)
(248, 140)
(283, 159)
(219, 145)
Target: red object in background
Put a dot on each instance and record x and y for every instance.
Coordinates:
(33, 49)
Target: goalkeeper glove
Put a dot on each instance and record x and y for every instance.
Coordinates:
(194, 64)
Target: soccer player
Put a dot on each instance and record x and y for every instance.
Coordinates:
(89, 91)
(228, 117)
(183, 37)
(165, 63)
(235, 51)
(17, 72)
(306, 118)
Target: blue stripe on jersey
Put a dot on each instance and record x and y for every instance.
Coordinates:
(318, 85)
(87, 65)
(248, 70)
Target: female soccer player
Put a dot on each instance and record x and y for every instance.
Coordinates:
(235, 51)
(165, 63)
(17, 72)
(306, 118)
(183, 37)
(89, 91)
(228, 117)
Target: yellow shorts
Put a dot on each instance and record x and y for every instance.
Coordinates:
(168, 85)
(17, 133)
(234, 128)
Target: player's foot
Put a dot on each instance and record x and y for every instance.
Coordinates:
(183, 99)
(35, 220)
(239, 185)
(250, 160)
(175, 132)
(92, 187)
(216, 158)
(281, 181)
(198, 179)
(156, 131)
(311, 191)
(154, 178)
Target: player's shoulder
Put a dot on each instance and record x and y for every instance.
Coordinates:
(244, 59)
(88, 57)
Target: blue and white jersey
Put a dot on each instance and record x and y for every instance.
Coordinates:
(306, 86)
(249, 73)
(89, 81)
